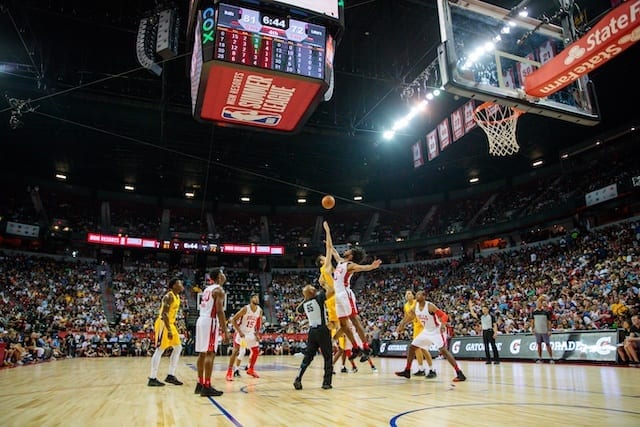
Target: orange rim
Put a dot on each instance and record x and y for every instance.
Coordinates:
(515, 113)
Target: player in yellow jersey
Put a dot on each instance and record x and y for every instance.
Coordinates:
(326, 280)
(166, 335)
(423, 357)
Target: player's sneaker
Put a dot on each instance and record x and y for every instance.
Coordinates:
(326, 386)
(460, 377)
(210, 391)
(229, 376)
(198, 389)
(497, 362)
(355, 353)
(354, 370)
(406, 373)
(236, 373)
(153, 382)
(431, 374)
(344, 370)
(374, 370)
(297, 384)
(552, 362)
(538, 361)
(171, 379)
(253, 373)
(419, 373)
(364, 357)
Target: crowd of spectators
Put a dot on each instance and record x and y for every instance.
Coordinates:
(52, 308)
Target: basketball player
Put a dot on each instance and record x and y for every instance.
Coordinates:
(423, 356)
(319, 336)
(434, 322)
(211, 323)
(326, 277)
(166, 335)
(247, 323)
(346, 307)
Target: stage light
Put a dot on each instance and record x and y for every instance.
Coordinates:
(357, 198)
(474, 180)
(388, 134)
(245, 199)
(189, 194)
(128, 187)
(302, 201)
(61, 176)
(537, 163)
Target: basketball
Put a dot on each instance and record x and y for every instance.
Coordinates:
(328, 202)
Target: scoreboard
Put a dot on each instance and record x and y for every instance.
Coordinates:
(270, 41)
(262, 64)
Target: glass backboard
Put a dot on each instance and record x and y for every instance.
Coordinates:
(487, 52)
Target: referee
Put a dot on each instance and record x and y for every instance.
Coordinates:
(489, 332)
(319, 335)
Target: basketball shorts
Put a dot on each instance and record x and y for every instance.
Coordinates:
(250, 340)
(207, 334)
(426, 338)
(162, 337)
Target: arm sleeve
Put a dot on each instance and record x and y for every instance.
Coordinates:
(442, 316)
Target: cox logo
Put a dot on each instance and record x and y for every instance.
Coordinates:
(455, 347)
(514, 347)
(208, 24)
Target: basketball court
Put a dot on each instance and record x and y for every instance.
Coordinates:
(114, 392)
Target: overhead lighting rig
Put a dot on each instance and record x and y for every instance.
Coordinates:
(19, 108)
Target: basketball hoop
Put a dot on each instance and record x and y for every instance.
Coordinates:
(499, 123)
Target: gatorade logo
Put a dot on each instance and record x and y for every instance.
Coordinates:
(514, 347)
(455, 347)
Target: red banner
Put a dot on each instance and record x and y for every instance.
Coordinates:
(418, 158)
(457, 124)
(613, 34)
(432, 145)
(444, 134)
(469, 122)
(259, 98)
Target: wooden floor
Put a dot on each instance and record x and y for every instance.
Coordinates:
(113, 392)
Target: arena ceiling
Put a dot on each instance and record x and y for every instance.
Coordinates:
(105, 126)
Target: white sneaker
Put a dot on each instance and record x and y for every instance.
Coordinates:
(374, 370)
(538, 361)
(552, 362)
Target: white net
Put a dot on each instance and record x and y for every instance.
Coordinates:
(499, 123)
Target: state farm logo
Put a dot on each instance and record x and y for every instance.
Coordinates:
(576, 52)
(455, 347)
(514, 347)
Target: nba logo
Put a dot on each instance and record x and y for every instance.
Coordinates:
(250, 116)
